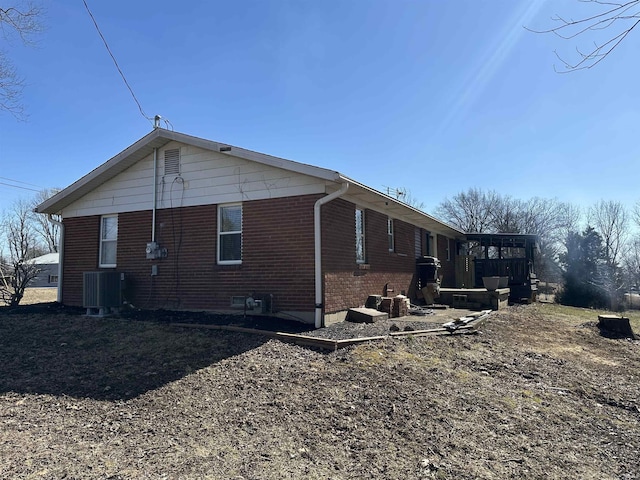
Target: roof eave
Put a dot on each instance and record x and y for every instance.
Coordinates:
(156, 139)
(397, 209)
(160, 137)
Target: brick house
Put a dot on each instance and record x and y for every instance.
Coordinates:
(195, 224)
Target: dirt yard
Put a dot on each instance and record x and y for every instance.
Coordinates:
(537, 393)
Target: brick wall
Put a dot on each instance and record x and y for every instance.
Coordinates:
(348, 284)
(81, 246)
(278, 256)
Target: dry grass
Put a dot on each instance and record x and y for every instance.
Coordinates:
(39, 295)
(575, 314)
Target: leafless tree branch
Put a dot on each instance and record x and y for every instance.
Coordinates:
(624, 17)
(21, 21)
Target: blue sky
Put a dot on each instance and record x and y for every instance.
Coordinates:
(433, 96)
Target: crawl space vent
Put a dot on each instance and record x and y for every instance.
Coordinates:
(172, 161)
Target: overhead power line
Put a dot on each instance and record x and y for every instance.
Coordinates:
(23, 183)
(95, 23)
(18, 186)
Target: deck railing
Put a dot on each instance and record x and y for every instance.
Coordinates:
(517, 269)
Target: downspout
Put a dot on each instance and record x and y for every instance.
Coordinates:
(155, 194)
(60, 225)
(318, 249)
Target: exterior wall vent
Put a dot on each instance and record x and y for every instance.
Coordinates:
(172, 161)
(238, 301)
(102, 291)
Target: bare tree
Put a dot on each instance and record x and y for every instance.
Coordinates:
(17, 270)
(610, 219)
(635, 213)
(631, 262)
(605, 29)
(550, 219)
(21, 21)
(471, 211)
(49, 232)
(507, 215)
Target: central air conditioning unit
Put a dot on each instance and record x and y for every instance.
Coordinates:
(102, 290)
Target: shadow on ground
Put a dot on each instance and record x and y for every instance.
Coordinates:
(61, 352)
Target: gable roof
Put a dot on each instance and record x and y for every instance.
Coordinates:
(46, 259)
(157, 138)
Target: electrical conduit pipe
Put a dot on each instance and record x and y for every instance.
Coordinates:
(155, 194)
(318, 249)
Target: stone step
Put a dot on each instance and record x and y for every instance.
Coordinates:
(365, 315)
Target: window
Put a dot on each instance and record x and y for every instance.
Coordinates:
(390, 234)
(360, 252)
(230, 234)
(108, 240)
(53, 278)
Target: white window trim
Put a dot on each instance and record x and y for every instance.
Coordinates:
(391, 235)
(220, 233)
(102, 241)
(362, 260)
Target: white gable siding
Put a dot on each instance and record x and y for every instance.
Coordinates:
(207, 177)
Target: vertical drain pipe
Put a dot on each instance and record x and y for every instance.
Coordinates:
(155, 194)
(318, 249)
(60, 225)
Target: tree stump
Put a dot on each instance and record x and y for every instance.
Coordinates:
(613, 325)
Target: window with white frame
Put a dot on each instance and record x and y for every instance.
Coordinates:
(392, 246)
(360, 248)
(108, 240)
(230, 234)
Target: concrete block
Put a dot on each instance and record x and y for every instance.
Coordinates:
(365, 315)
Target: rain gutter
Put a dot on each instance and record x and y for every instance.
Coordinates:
(60, 254)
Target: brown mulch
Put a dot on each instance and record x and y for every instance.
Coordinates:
(533, 395)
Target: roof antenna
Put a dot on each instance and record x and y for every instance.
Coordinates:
(156, 121)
